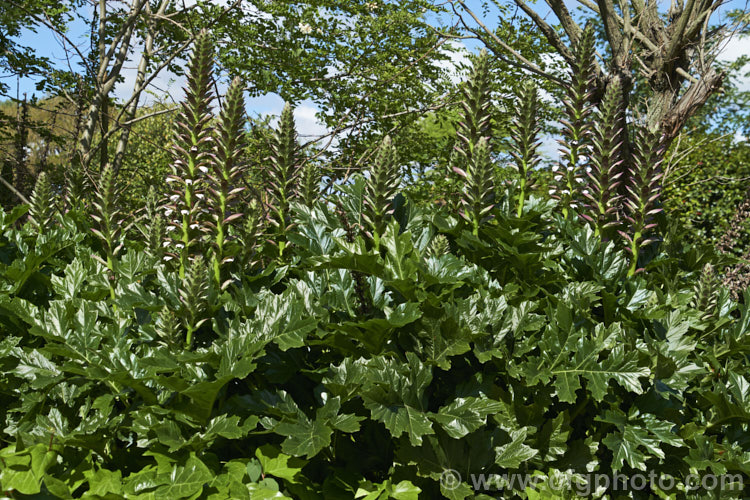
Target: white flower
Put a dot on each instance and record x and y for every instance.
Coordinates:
(552, 191)
(174, 197)
(588, 169)
(571, 168)
(203, 169)
(188, 181)
(167, 257)
(171, 179)
(168, 212)
(180, 245)
(171, 228)
(558, 177)
(565, 191)
(229, 259)
(372, 5)
(585, 191)
(184, 212)
(200, 196)
(194, 226)
(165, 244)
(555, 168)
(305, 28)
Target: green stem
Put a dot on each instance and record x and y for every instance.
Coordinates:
(189, 337)
(634, 253)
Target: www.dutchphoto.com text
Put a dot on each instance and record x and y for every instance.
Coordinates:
(587, 484)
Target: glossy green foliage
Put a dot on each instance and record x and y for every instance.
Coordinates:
(521, 347)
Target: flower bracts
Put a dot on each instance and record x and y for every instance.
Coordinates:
(472, 156)
(576, 126)
(226, 170)
(380, 190)
(601, 195)
(43, 202)
(643, 187)
(192, 148)
(283, 175)
(524, 135)
(476, 104)
(479, 189)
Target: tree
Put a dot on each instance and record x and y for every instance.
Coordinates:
(671, 54)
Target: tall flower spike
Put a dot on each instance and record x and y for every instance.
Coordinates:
(193, 296)
(381, 189)
(643, 189)
(167, 328)
(309, 186)
(479, 189)
(604, 177)
(251, 233)
(283, 174)
(227, 168)
(576, 129)
(438, 247)
(476, 103)
(192, 149)
(109, 220)
(42, 208)
(152, 226)
(475, 122)
(524, 134)
(706, 292)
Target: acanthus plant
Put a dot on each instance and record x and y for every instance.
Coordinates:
(525, 141)
(43, 204)
(110, 221)
(643, 186)
(706, 294)
(194, 291)
(476, 104)
(311, 176)
(477, 200)
(602, 201)
(224, 178)
(576, 127)
(192, 147)
(151, 224)
(472, 158)
(251, 234)
(283, 170)
(380, 190)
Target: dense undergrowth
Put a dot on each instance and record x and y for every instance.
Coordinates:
(356, 345)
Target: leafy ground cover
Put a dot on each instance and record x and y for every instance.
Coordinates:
(359, 345)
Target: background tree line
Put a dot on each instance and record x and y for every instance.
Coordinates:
(373, 69)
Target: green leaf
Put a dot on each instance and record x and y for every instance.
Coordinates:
(394, 394)
(465, 415)
(305, 437)
(183, 481)
(513, 454)
(277, 464)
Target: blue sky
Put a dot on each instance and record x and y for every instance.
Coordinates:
(48, 44)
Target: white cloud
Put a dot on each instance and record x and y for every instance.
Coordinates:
(456, 66)
(734, 48)
(307, 123)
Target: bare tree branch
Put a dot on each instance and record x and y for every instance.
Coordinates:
(525, 63)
